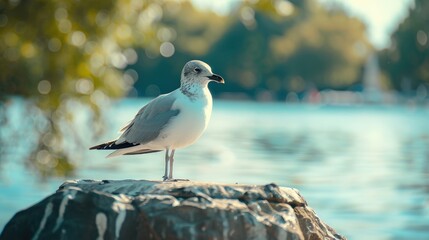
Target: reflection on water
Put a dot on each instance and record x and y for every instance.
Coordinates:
(364, 169)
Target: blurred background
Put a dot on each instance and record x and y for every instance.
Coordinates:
(327, 96)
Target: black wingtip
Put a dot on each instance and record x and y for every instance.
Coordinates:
(100, 146)
(112, 145)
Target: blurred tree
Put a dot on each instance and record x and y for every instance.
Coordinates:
(218, 40)
(406, 61)
(265, 47)
(247, 60)
(326, 50)
(190, 33)
(63, 55)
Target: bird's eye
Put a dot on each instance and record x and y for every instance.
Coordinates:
(197, 70)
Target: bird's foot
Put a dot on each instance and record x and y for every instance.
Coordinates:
(175, 180)
(181, 180)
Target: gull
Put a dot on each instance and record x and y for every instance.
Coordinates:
(170, 121)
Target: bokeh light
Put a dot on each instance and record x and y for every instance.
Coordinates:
(167, 49)
(422, 38)
(44, 87)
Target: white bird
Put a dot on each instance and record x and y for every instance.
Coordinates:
(170, 121)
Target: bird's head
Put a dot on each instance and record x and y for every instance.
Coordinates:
(196, 71)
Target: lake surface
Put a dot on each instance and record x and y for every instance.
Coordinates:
(363, 169)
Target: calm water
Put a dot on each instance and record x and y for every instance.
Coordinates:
(364, 169)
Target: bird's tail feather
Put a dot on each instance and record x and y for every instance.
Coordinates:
(130, 151)
(143, 151)
(116, 153)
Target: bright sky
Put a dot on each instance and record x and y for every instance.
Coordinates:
(381, 16)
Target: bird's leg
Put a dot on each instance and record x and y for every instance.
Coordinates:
(170, 175)
(167, 158)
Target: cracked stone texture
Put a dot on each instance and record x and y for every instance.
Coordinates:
(140, 209)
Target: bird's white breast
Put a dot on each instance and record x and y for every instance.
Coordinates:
(188, 126)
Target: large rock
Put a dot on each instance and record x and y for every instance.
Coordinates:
(139, 209)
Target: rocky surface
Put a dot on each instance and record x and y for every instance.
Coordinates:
(140, 209)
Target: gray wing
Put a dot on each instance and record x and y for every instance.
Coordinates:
(150, 120)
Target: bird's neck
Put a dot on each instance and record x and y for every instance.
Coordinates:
(194, 90)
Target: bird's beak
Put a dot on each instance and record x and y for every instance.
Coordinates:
(216, 78)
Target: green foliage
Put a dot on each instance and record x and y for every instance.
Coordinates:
(261, 48)
(326, 50)
(64, 55)
(406, 62)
